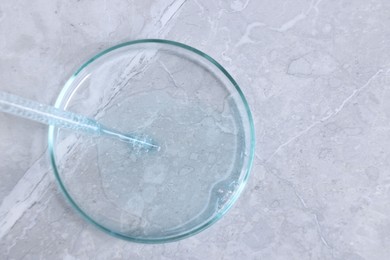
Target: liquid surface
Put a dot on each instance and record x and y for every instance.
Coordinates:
(157, 191)
(190, 114)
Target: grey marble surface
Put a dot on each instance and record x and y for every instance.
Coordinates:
(317, 76)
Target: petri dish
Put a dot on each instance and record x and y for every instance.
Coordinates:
(190, 106)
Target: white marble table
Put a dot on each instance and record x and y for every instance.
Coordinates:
(317, 76)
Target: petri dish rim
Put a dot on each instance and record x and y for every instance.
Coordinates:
(235, 196)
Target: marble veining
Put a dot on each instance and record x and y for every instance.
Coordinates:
(316, 74)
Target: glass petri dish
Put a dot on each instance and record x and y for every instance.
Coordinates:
(190, 106)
